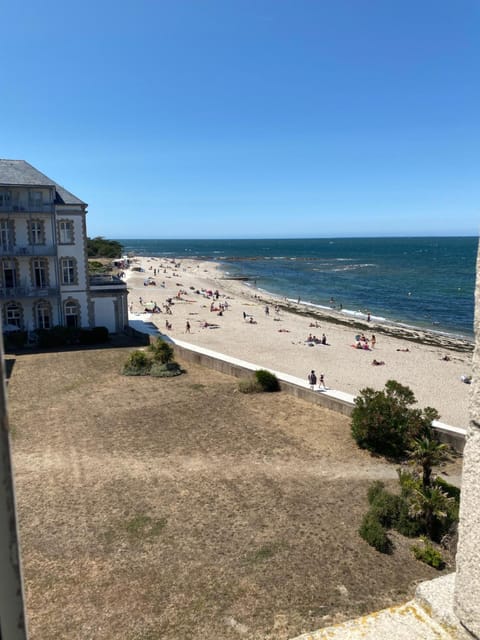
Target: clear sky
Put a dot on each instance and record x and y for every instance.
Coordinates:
(250, 118)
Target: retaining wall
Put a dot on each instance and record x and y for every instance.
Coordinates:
(454, 436)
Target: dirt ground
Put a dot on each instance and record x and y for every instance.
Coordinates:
(180, 508)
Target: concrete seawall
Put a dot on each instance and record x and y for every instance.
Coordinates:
(338, 401)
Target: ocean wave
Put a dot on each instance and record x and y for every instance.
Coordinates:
(354, 267)
(364, 316)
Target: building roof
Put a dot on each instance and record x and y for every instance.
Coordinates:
(21, 173)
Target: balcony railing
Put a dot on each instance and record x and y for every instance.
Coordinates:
(106, 280)
(30, 207)
(29, 292)
(28, 250)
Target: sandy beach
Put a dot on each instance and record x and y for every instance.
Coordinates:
(273, 333)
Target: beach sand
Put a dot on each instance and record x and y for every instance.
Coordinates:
(278, 340)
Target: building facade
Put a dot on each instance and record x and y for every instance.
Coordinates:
(44, 278)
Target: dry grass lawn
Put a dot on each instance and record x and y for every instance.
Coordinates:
(180, 508)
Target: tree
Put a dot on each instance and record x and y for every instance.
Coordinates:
(99, 247)
(432, 505)
(427, 452)
(385, 421)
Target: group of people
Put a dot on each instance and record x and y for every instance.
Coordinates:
(313, 339)
(361, 342)
(312, 381)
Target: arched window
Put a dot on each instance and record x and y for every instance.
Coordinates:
(72, 312)
(13, 315)
(43, 315)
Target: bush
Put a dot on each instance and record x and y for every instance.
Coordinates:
(372, 532)
(166, 370)
(100, 335)
(161, 351)
(375, 489)
(267, 380)
(15, 339)
(137, 364)
(249, 385)
(451, 490)
(405, 524)
(54, 337)
(386, 508)
(385, 422)
(428, 554)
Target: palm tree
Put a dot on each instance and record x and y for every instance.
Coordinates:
(430, 504)
(427, 452)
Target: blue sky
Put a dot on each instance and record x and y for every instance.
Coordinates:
(240, 118)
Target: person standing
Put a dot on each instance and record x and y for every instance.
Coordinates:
(321, 382)
(312, 379)
(373, 341)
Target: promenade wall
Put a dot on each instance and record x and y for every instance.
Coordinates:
(338, 401)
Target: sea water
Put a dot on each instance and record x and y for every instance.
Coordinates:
(420, 282)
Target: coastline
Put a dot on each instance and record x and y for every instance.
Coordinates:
(412, 356)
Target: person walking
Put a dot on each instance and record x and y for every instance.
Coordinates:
(312, 379)
(321, 382)
(187, 327)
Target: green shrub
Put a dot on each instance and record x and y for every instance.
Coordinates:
(137, 364)
(15, 339)
(161, 351)
(249, 385)
(405, 524)
(385, 422)
(386, 508)
(375, 489)
(409, 482)
(372, 532)
(451, 490)
(54, 337)
(428, 554)
(165, 370)
(267, 380)
(100, 335)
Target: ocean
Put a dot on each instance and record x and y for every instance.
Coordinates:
(426, 283)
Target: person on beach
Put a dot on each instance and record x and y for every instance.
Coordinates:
(267, 310)
(312, 379)
(373, 341)
(321, 382)
(187, 327)
(324, 339)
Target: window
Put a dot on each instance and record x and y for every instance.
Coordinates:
(9, 274)
(13, 314)
(5, 198)
(65, 232)
(40, 273)
(7, 234)
(36, 198)
(43, 315)
(35, 232)
(68, 270)
(71, 313)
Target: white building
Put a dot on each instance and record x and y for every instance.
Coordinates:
(44, 278)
